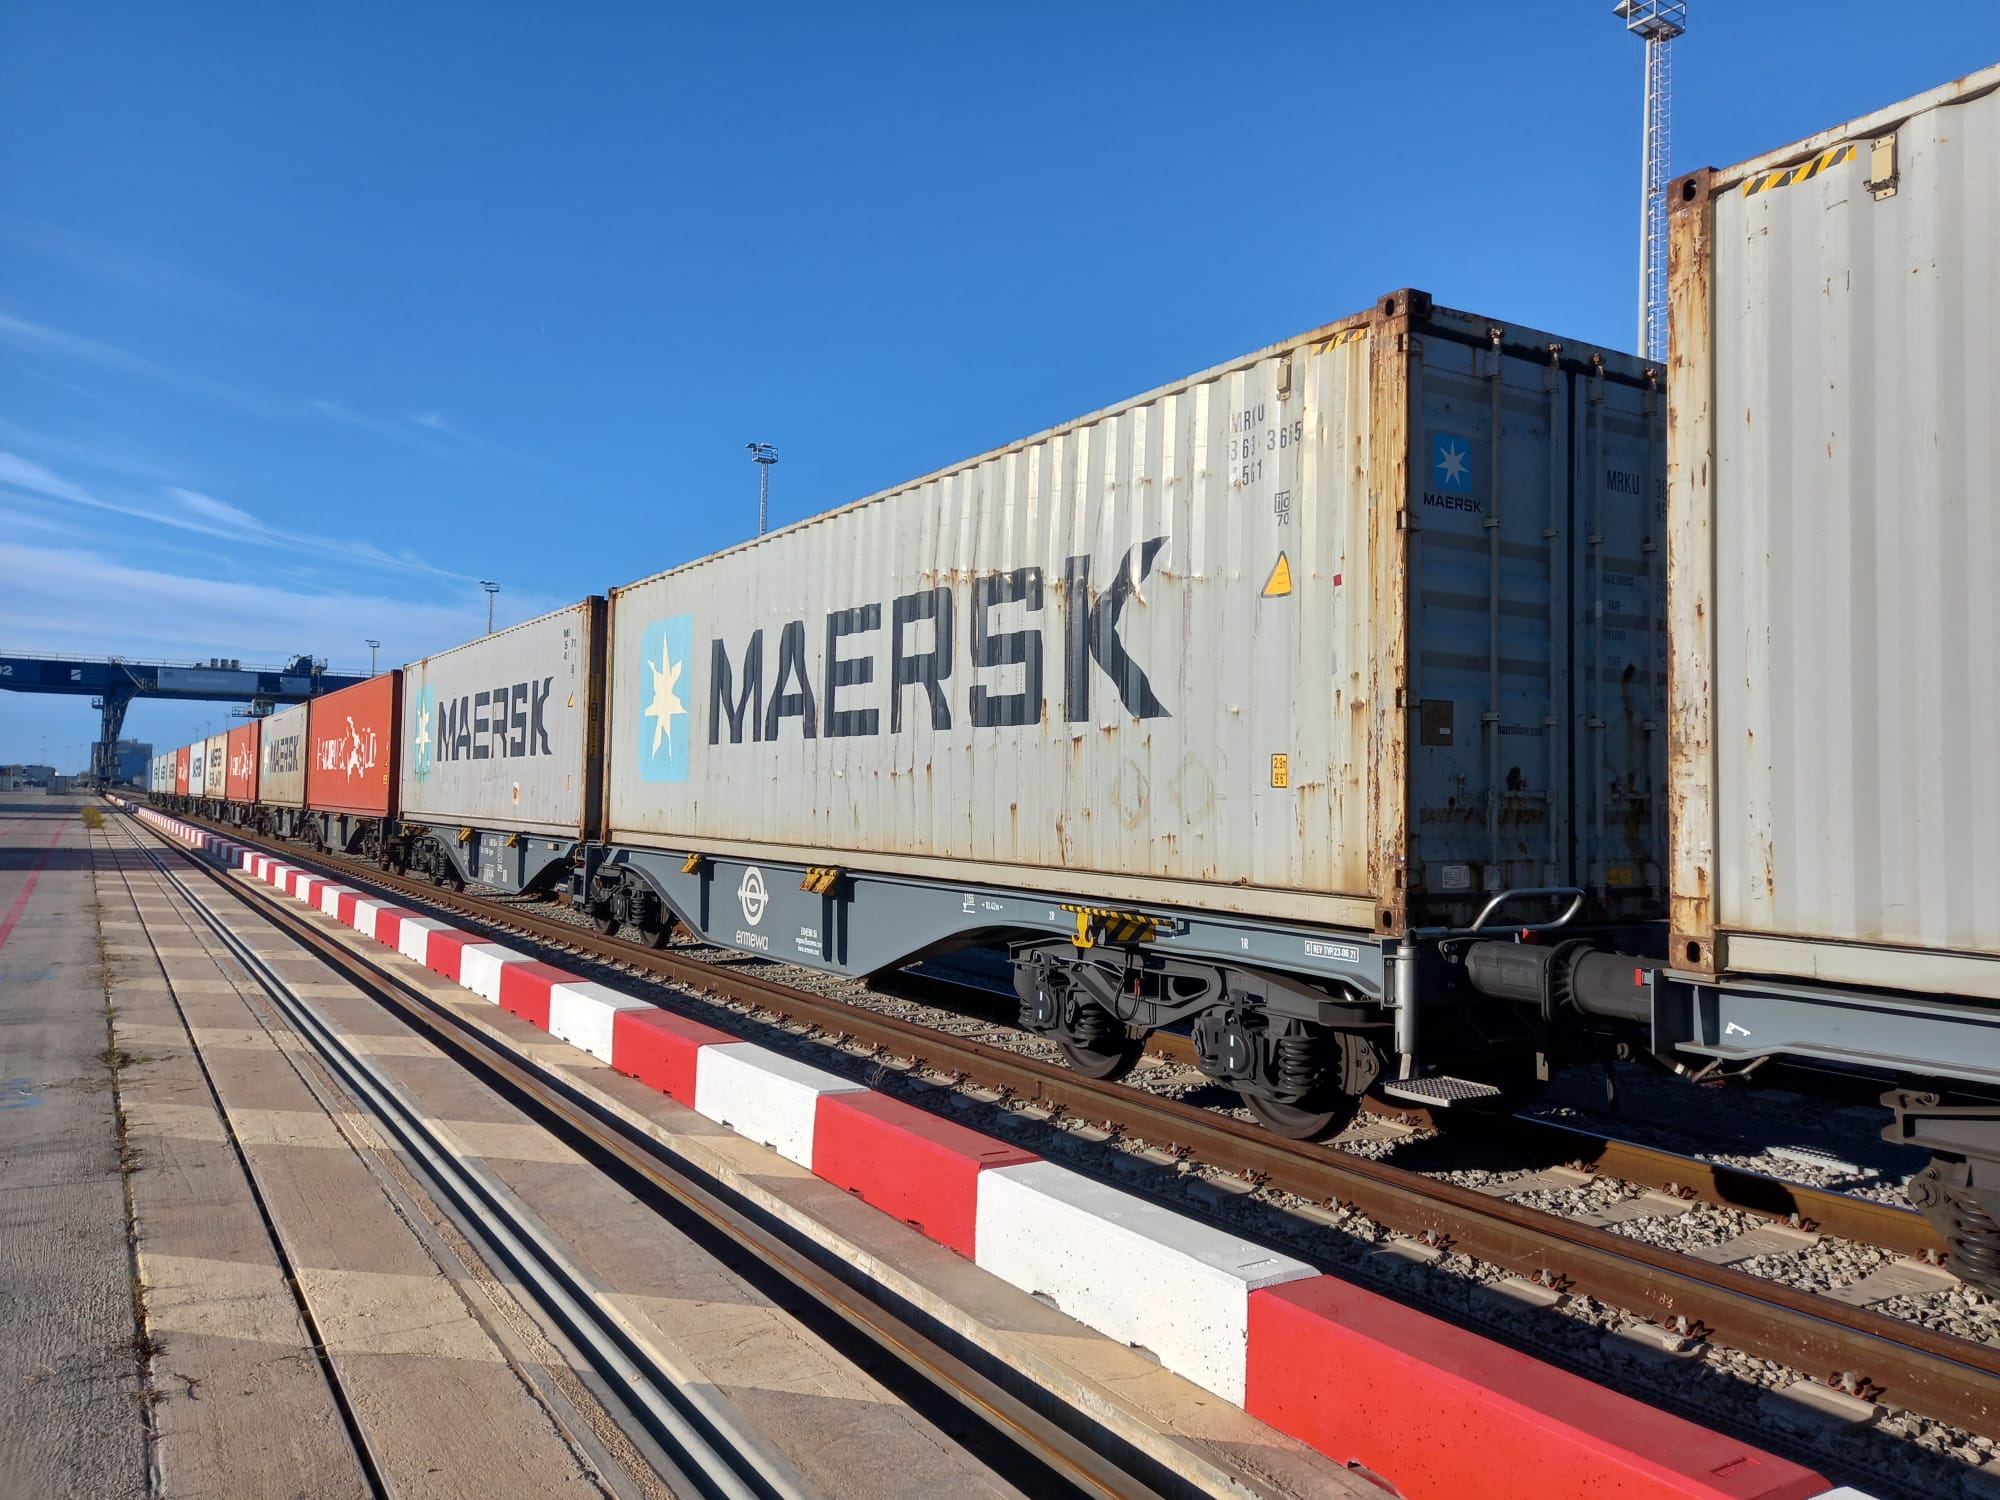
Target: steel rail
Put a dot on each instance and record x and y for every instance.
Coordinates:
(1933, 1374)
(721, 1459)
(1045, 1443)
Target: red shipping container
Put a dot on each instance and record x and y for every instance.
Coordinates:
(181, 771)
(241, 783)
(351, 742)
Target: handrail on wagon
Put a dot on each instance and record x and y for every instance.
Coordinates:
(1502, 898)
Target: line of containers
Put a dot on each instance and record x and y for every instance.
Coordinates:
(1345, 608)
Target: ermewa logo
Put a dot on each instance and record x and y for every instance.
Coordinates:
(752, 896)
(351, 754)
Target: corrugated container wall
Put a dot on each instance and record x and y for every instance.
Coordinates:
(1352, 630)
(198, 769)
(183, 770)
(1836, 684)
(504, 731)
(217, 751)
(351, 760)
(281, 756)
(242, 772)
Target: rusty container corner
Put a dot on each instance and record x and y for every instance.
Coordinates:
(351, 743)
(1247, 641)
(1835, 643)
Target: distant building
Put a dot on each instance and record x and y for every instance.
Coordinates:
(25, 775)
(135, 760)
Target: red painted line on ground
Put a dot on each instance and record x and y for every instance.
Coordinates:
(21, 901)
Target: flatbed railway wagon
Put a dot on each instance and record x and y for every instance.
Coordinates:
(1837, 840)
(1835, 385)
(503, 753)
(1228, 705)
(350, 784)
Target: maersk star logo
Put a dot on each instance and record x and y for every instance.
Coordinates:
(1451, 463)
(422, 734)
(665, 687)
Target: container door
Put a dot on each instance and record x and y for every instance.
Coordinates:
(1489, 775)
(1618, 722)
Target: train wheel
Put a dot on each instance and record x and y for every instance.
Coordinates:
(1299, 1122)
(604, 919)
(1322, 1075)
(1106, 1057)
(658, 931)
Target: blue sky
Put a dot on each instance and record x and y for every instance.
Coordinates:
(310, 318)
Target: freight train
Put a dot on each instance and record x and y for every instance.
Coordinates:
(1410, 706)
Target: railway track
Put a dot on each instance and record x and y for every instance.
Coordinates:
(1931, 1374)
(708, 1456)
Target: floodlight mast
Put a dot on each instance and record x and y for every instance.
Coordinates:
(1656, 23)
(763, 455)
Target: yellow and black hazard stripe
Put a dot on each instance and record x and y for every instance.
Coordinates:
(1801, 172)
(1345, 336)
(1104, 924)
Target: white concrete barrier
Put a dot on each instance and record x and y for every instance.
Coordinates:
(766, 1096)
(1131, 1269)
(581, 1014)
(479, 968)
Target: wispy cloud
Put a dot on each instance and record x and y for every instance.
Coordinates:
(39, 336)
(120, 263)
(100, 457)
(418, 432)
(77, 600)
(190, 510)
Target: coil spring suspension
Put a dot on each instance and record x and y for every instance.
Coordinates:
(1974, 1239)
(1088, 1023)
(1299, 1064)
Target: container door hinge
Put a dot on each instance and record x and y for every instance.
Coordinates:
(1882, 175)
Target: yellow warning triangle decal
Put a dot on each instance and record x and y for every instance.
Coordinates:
(1280, 582)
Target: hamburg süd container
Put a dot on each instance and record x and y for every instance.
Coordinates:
(241, 773)
(351, 748)
(1834, 541)
(281, 756)
(1356, 629)
(217, 752)
(504, 731)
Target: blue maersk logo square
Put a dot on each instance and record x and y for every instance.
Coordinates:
(1451, 463)
(664, 690)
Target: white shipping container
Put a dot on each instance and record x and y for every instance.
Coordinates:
(1355, 629)
(216, 779)
(1834, 537)
(281, 758)
(197, 768)
(503, 731)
